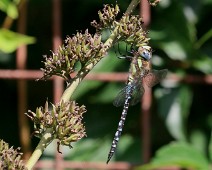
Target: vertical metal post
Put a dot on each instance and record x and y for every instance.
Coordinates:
(147, 99)
(21, 57)
(145, 12)
(57, 82)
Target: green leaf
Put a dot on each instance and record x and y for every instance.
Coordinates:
(174, 50)
(210, 147)
(179, 155)
(203, 63)
(10, 41)
(174, 105)
(10, 8)
(172, 33)
(198, 139)
(112, 89)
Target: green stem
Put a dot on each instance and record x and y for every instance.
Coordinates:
(203, 39)
(45, 140)
(132, 6)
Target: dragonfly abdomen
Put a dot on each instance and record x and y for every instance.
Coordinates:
(121, 124)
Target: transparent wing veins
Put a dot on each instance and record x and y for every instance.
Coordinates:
(154, 77)
(137, 92)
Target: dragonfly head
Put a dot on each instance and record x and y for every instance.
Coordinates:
(145, 52)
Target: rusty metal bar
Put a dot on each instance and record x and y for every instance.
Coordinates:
(20, 74)
(108, 77)
(57, 41)
(21, 58)
(145, 12)
(147, 97)
(57, 82)
(94, 165)
(84, 165)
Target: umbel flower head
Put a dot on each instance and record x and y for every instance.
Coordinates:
(77, 49)
(10, 158)
(65, 119)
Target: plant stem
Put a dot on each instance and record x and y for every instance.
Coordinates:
(45, 140)
(203, 39)
(132, 6)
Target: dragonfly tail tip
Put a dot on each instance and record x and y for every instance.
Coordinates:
(108, 159)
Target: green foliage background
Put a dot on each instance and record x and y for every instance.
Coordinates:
(180, 34)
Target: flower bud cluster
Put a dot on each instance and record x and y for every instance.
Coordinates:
(107, 17)
(128, 28)
(65, 119)
(10, 158)
(79, 48)
(84, 46)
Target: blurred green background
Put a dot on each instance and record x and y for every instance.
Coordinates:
(180, 33)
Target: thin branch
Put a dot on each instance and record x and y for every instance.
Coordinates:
(203, 39)
(132, 6)
(44, 142)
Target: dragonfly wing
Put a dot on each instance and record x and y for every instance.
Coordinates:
(154, 77)
(120, 98)
(137, 94)
(137, 91)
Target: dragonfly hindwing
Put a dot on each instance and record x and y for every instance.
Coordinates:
(136, 90)
(154, 77)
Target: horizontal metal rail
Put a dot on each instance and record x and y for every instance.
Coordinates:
(36, 74)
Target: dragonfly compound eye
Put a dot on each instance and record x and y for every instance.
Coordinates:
(145, 52)
(146, 55)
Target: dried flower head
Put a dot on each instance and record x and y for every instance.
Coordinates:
(79, 48)
(65, 119)
(128, 28)
(106, 17)
(10, 158)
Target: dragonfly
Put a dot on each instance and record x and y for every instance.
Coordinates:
(140, 71)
